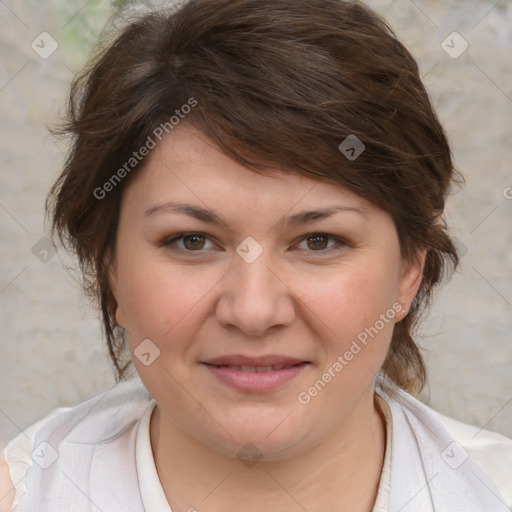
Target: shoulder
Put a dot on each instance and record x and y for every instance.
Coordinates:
(94, 421)
(16, 460)
(6, 487)
(492, 451)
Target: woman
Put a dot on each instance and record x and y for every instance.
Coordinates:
(255, 195)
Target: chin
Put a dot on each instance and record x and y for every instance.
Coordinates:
(262, 439)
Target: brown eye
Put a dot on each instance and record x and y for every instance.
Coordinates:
(317, 242)
(193, 242)
(322, 243)
(188, 243)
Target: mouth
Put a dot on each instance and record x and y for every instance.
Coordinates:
(267, 361)
(255, 375)
(268, 368)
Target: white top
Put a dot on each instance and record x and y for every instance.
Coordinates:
(153, 496)
(99, 453)
(151, 491)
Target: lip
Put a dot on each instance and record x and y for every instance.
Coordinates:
(242, 360)
(255, 381)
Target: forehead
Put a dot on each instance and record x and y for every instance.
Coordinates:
(186, 165)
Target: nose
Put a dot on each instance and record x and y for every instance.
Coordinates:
(255, 297)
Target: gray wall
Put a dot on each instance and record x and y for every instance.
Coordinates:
(51, 352)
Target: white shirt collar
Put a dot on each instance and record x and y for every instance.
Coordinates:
(152, 493)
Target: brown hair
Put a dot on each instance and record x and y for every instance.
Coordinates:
(279, 84)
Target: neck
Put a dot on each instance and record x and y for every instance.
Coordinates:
(342, 473)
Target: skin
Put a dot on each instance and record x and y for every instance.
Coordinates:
(197, 299)
(7, 492)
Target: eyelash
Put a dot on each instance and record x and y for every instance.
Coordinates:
(341, 243)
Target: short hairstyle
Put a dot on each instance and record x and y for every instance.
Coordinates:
(277, 85)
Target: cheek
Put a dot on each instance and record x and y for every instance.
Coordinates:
(357, 315)
(159, 301)
(351, 298)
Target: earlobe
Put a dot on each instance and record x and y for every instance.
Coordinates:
(120, 317)
(410, 280)
(112, 278)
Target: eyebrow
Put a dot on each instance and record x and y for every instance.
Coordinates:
(212, 217)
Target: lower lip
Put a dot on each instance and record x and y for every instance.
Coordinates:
(255, 382)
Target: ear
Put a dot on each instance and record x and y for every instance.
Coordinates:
(113, 282)
(410, 279)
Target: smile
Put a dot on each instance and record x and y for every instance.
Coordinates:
(255, 379)
(270, 368)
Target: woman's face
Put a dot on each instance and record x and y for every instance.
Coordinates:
(251, 319)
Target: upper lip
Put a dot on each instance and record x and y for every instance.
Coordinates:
(241, 360)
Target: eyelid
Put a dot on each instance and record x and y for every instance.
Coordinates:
(340, 244)
(168, 241)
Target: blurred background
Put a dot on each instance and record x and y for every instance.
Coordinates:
(52, 352)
